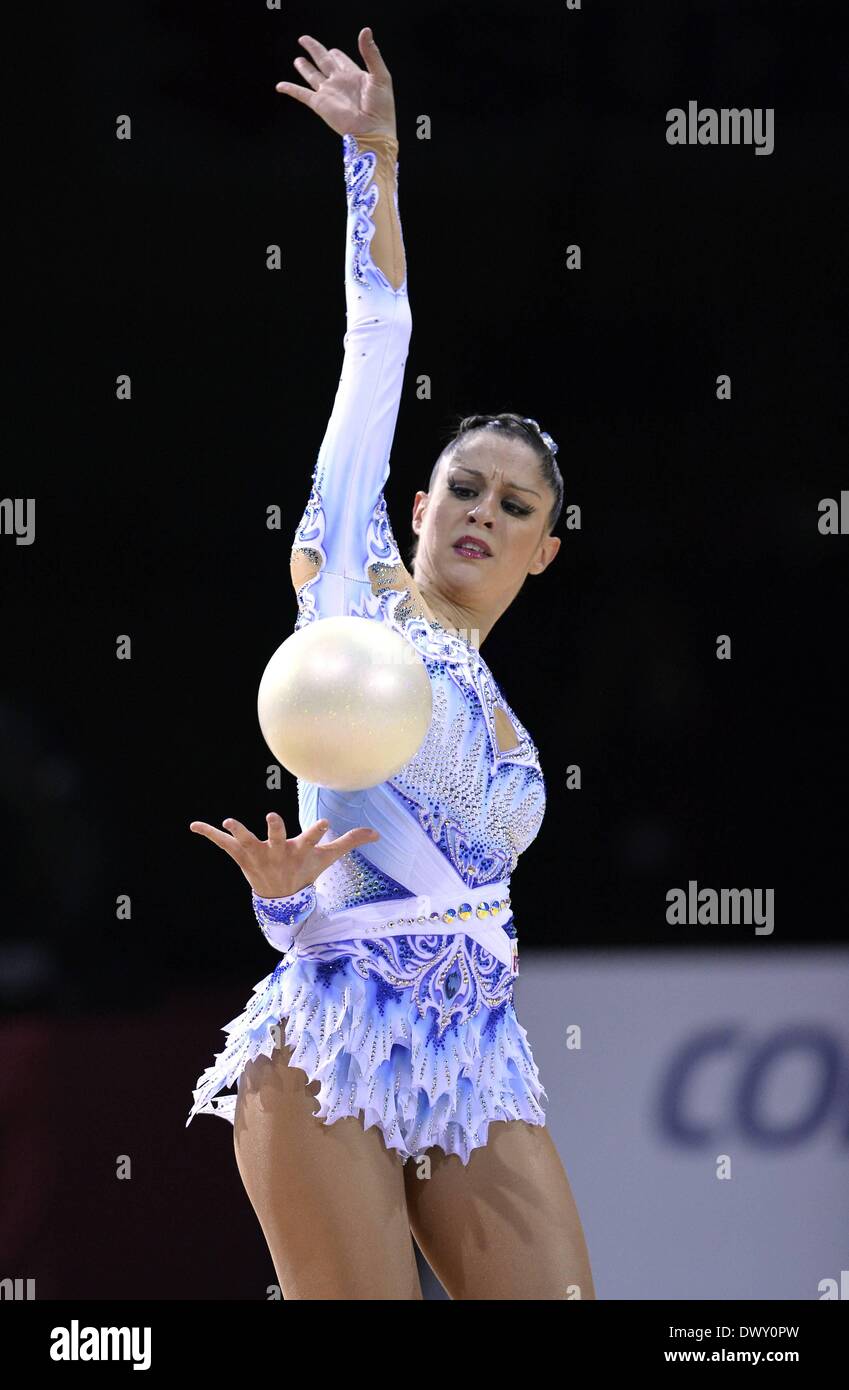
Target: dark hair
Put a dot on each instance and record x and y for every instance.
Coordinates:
(520, 428)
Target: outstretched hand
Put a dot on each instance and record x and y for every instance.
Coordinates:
(349, 100)
(277, 867)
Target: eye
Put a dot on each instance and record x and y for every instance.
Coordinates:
(516, 510)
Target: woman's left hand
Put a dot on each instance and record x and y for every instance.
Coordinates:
(350, 101)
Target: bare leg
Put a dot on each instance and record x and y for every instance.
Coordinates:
(330, 1198)
(506, 1225)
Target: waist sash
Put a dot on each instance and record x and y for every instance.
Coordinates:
(423, 915)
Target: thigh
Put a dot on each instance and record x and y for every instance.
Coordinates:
(505, 1225)
(330, 1198)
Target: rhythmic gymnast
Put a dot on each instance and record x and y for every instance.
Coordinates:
(392, 1004)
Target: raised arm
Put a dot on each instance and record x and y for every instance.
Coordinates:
(344, 527)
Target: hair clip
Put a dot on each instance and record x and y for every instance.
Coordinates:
(543, 434)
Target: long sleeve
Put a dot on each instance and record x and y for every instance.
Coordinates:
(282, 919)
(344, 527)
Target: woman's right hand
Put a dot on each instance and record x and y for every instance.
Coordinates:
(277, 867)
(352, 102)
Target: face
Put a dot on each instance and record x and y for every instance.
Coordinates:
(490, 489)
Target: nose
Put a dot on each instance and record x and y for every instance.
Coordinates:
(481, 512)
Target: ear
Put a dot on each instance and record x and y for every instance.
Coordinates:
(420, 502)
(544, 556)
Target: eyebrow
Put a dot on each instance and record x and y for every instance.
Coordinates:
(477, 473)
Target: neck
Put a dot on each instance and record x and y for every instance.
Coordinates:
(456, 618)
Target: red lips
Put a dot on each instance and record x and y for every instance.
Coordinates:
(474, 540)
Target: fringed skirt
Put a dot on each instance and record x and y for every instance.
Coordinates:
(415, 1034)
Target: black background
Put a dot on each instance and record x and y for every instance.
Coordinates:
(699, 517)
